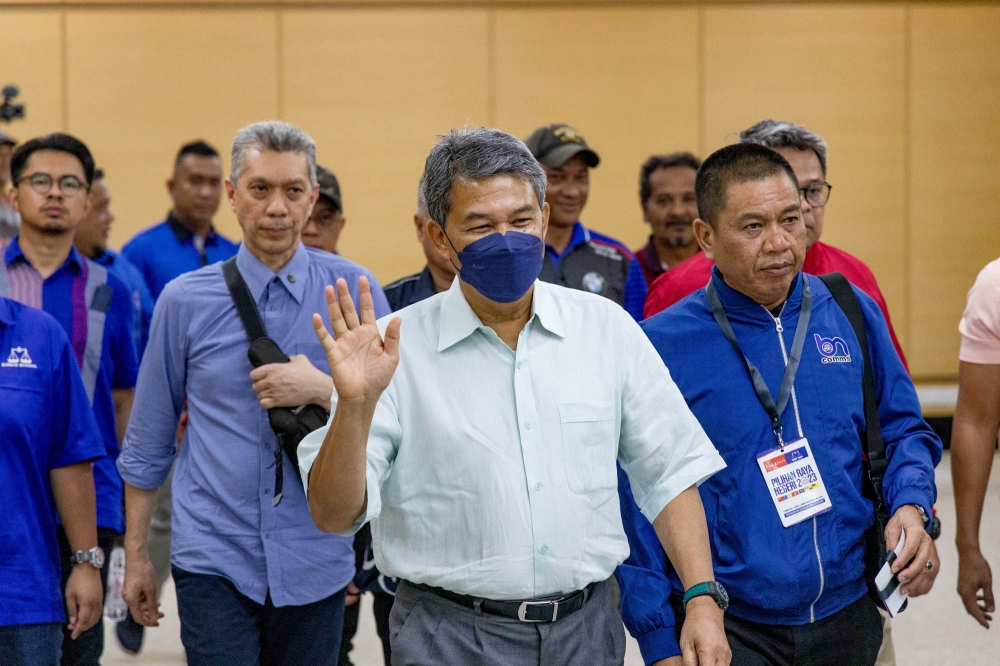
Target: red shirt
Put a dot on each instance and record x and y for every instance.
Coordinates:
(693, 274)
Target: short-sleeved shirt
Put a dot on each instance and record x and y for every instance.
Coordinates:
(980, 325)
(59, 296)
(142, 300)
(491, 472)
(45, 423)
(169, 249)
(409, 290)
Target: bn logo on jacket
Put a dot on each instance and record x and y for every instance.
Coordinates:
(833, 350)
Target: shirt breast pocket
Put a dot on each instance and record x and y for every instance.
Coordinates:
(590, 445)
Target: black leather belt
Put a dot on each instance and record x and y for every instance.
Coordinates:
(540, 610)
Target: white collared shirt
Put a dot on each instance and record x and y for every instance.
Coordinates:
(491, 472)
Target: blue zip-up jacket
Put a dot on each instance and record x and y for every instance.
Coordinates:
(778, 575)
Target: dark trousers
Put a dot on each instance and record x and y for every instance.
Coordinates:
(849, 637)
(87, 649)
(381, 608)
(222, 627)
(30, 644)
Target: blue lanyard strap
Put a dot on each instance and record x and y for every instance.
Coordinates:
(773, 410)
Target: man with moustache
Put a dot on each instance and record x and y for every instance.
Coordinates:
(669, 206)
(91, 240)
(770, 365)
(806, 152)
(575, 256)
(322, 231)
(52, 175)
(256, 581)
(9, 219)
(480, 427)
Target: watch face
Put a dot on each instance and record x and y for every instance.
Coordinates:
(721, 596)
(98, 557)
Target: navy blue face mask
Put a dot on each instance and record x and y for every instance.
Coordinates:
(501, 267)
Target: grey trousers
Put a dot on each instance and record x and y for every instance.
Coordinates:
(426, 630)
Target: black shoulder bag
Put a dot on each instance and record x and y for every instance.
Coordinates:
(875, 462)
(290, 425)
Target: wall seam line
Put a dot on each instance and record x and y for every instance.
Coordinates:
(279, 39)
(64, 74)
(702, 141)
(907, 180)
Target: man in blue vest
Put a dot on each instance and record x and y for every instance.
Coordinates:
(50, 439)
(52, 176)
(91, 240)
(770, 365)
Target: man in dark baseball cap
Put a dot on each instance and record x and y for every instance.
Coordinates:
(327, 219)
(577, 257)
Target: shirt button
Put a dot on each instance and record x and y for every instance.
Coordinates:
(276, 280)
(267, 491)
(542, 550)
(518, 365)
(527, 425)
(538, 486)
(268, 536)
(291, 278)
(273, 308)
(267, 446)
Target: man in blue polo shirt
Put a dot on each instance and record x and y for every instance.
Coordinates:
(257, 582)
(577, 257)
(769, 363)
(186, 240)
(49, 441)
(52, 175)
(91, 240)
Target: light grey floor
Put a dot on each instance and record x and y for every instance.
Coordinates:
(933, 631)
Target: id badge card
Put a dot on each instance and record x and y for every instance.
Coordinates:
(794, 482)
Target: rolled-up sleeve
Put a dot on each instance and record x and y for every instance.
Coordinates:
(149, 447)
(383, 442)
(663, 449)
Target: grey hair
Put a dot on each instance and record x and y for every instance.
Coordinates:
(272, 135)
(421, 199)
(476, 153)
(776, 134)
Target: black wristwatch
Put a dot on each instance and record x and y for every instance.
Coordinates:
(94, 557)
(934, 529)
(712, 589)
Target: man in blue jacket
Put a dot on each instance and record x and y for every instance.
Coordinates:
(795, 577)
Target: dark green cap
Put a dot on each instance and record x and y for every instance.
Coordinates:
(329, 187)
(554, 144)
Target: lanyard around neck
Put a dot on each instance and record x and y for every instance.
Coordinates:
(773, 410)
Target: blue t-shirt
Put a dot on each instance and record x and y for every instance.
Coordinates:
(118, 369)
(46, 423)
(168, 250)
(142, 300)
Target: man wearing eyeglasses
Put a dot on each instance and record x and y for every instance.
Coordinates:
(52, 176)
(806, 152)
(322, 230)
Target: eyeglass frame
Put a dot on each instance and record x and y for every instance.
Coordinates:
(826, 200)
(84, 187)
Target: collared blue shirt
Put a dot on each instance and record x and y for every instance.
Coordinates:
(142, 300)
(167, 250)
(223, 521)
(410, 290)
(46, 423)
(117, 371)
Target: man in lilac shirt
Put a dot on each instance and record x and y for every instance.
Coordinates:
(256, 580)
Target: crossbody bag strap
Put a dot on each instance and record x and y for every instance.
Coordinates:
(243, 300)
(845, 297)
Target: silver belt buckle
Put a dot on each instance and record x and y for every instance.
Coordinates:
(523, 610)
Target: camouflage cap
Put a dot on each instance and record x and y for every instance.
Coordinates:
(7, 139)
(329, 187)
(553, 145)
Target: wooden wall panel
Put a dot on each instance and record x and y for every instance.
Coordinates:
(33, 61)
(143, 82)
(374, 88)
(840, 72)
(955, 171)
(626, 78)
